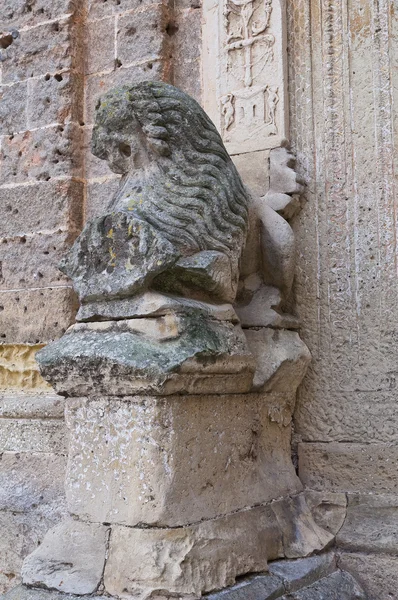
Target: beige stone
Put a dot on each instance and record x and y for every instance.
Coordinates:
(175, 460)
(377, 573)
(253, 167)
(371, 524)
(247, 104)
(190, 560)
(70, 558)
(264, 310)
(32, 406)
(19, 370)
(328, 509)
(31, 435)
(346, 467)
(282, 359)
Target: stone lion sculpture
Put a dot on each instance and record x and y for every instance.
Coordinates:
(178, 222)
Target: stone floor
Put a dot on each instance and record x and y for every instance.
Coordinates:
(313, 578)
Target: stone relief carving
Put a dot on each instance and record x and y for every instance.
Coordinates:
(249, 76)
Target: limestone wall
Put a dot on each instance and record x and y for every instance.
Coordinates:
(343, 86)
(56, 58)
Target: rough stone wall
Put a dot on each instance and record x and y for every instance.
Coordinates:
(343, 86)
(56, 58)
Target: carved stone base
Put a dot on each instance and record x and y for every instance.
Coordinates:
(188, 353)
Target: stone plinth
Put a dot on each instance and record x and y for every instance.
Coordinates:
(169, 461)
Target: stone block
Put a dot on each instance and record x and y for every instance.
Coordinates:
(38, 50)
(98, 85)
(19, 370)
(186, 43)
(55, 99)
(100, 46)
(30, 481)
(190, 560)
(35, 316)
(328, 509)
(41, 155)
(99, 195)
(282, 359)
(260, 587)
(21, 533)
(377, 573)
(142, 35)
(31, 435)
(51, 205)
(151, 466)
(322, 416)
(337, 586)
(20, 13)
(70, 558)
(303, 572)
(29, 406)
(371, 524)
(99, 8)
(253, 168)
(31, 261)
(13, 108)
(349, 467)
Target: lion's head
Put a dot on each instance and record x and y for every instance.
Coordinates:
(197, 199)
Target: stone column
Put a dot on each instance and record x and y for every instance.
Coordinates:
(179, 474)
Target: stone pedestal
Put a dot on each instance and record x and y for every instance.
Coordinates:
(174, 495)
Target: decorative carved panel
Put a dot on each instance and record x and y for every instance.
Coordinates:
(244, 61)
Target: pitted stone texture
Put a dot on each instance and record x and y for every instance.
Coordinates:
(371, 524)
(191, 560)
(206, 356)
(175, 460)
(302, 572)
(282, 359)
(70, 558)
(364, 468)
(337, 586)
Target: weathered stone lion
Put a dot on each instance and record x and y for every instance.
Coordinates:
(178, 222)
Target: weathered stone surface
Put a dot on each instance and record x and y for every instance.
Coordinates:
(55, 98)
(302, 572)
(41, 155)
(99, 8)
(19, 371)
(41, 206)
(30, 480)
(185, 33)
(282, 359)
(301, 536)
(260, 587)
(31, 435)
(337, 586)
(346, 467)
(207, 356)
(253, 167)
(142, 35)
(32, 406)
(25, 318)
(376, 573)
(16, 13)
(263, 309)
(151, 466)
(70, 558)
(38, 50)
(31, 260)
(328, 509)
(206, 556)
(99, 196)
(13, 108)
(371, 524)
(100, 44)
(283, 176)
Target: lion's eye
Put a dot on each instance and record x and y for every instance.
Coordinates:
(125, 149)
